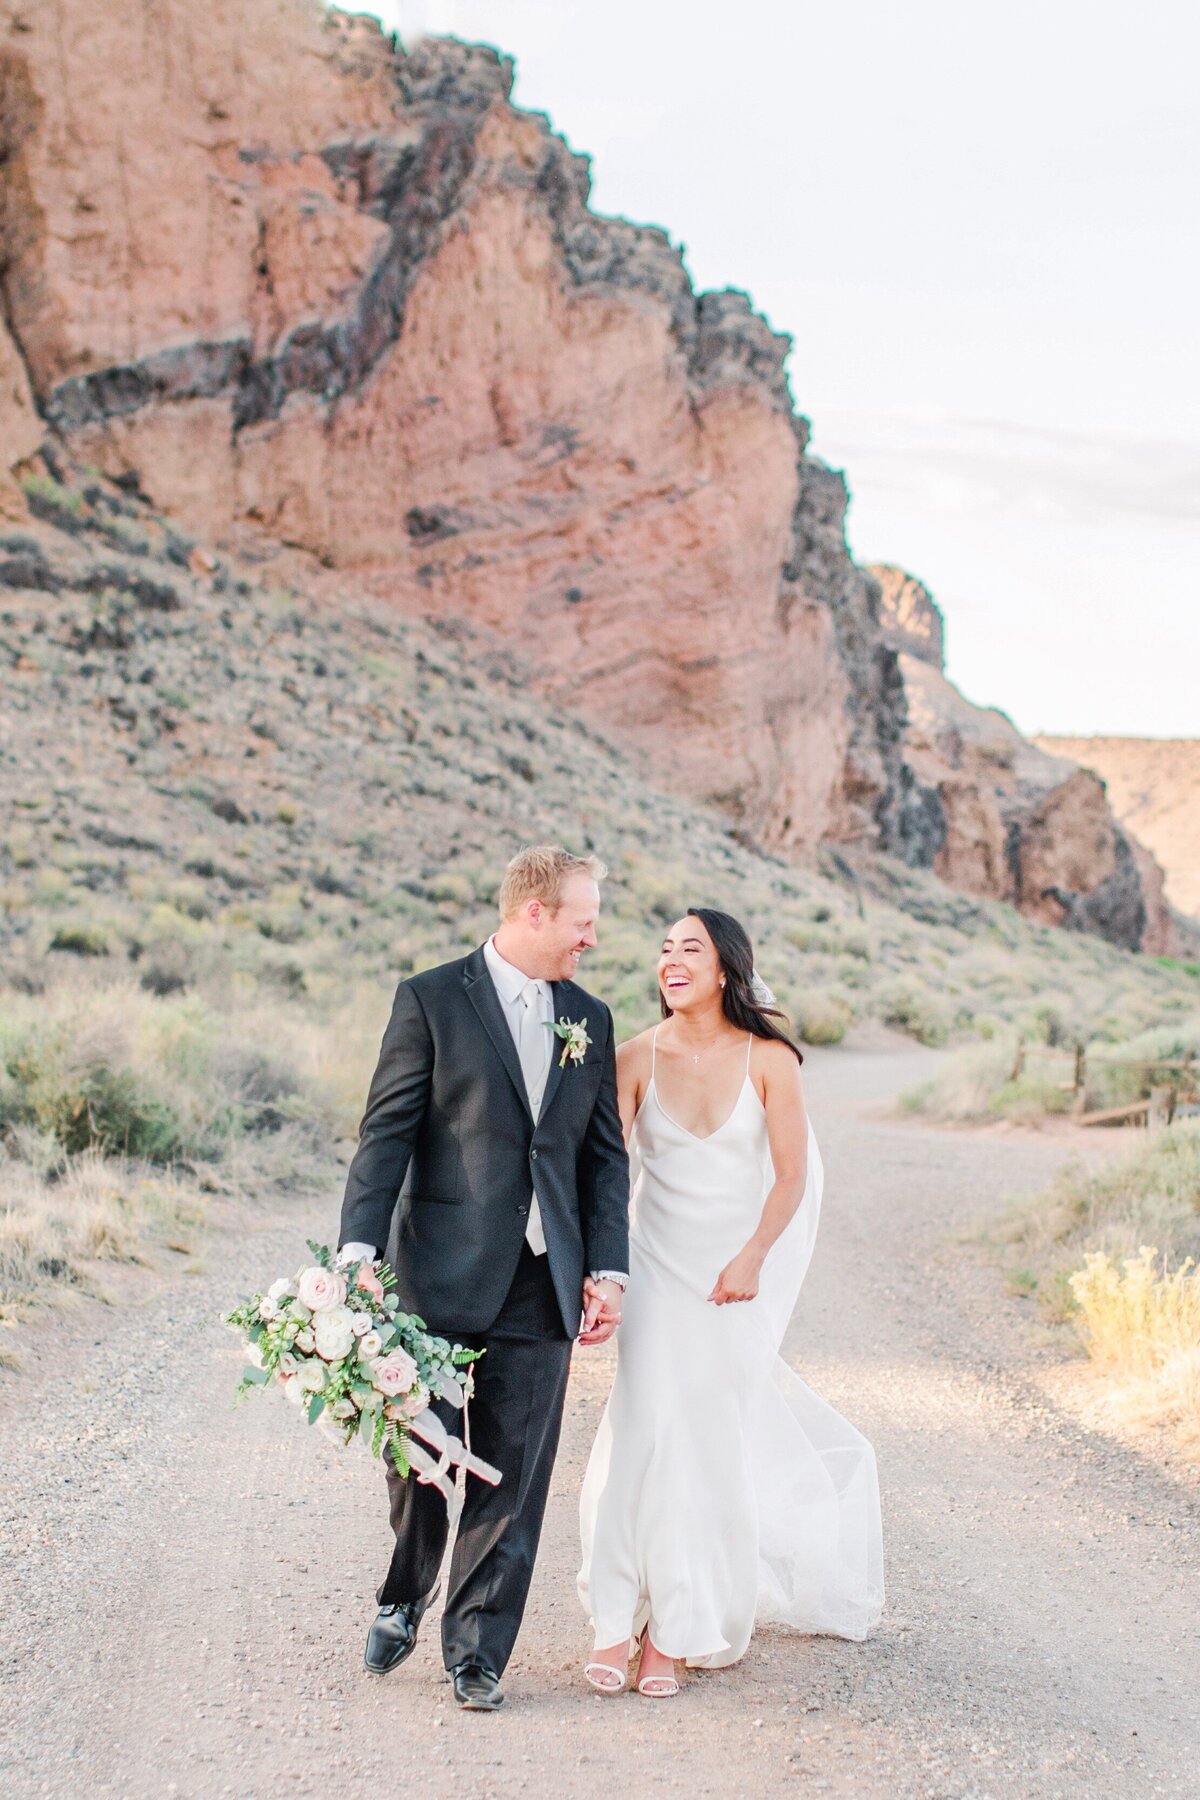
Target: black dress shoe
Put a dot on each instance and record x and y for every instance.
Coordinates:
(476, 1687)
(393, 1636)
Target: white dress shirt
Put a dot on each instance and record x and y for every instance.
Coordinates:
(510, 984)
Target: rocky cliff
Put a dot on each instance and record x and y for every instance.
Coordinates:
(991, 813)
(287, 280)
(1153, 786)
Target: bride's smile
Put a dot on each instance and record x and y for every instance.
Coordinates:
(689, 973)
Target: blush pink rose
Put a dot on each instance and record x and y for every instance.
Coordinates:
(321, 1289)
(394, 1373)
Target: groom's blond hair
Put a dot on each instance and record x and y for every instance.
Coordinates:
(540, 872)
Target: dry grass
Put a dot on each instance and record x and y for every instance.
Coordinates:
(1140, 1322)
(1082, 1250)
(108, 1066)
(975, 1084)
(119, 1110)
(60, 1214)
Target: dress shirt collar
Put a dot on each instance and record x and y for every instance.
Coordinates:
(509, 980)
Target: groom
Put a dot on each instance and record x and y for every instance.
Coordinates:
(491, 1165)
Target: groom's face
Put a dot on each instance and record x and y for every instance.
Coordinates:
(563, 936)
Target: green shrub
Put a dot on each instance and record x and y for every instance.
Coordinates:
(126, 1072)
(963, 1088)
(86, 1103)
(49, 498)
(913, 1009)
(1110, 1085)
(81, 940)
(819, 1017)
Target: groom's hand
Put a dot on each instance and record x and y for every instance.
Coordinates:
(601, 1311)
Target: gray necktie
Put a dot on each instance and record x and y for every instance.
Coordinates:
(533, 1045)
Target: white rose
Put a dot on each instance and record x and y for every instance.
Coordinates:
(321, 1290)
(369, 1347)
(267, 1308)
(301, 1313)
(311, 1377)
(280, 1290)
(343, 1409)
(333, 1334)
(362, 1324)
(288, 1364)
(305, 1341)
(295, 1391)
(394, 1373)
(254, 1355)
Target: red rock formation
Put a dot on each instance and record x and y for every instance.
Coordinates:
(1153, 786)
(992, 814)
(302, 283)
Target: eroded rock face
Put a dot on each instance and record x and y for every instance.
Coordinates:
(991, 814)
(1153, 786)
(294, 281)
(909, 616)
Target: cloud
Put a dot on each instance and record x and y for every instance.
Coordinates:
(991, 468)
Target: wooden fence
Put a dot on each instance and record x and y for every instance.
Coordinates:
(1167, 1097)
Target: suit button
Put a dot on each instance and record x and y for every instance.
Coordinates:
(533, 1155)
(522, 1210)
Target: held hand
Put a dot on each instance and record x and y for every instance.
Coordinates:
(601, 1311)
(738, 1280)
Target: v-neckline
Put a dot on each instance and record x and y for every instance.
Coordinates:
(695, 1136)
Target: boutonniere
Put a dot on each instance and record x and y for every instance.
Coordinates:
(576, 1041)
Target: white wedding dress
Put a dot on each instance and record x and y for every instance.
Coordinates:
(721, 1491)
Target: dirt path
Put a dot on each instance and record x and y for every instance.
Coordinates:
(185, 1589)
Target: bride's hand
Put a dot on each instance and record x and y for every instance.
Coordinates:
(738, 1280)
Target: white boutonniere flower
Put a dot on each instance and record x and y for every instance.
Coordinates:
(575, 1039)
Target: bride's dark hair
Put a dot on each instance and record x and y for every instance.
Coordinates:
(735, 953)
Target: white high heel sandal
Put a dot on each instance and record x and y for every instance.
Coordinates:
(655, 1687)
(604, 1678)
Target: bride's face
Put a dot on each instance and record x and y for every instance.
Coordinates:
(689, 972)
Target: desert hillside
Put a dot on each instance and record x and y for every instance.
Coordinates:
(291, 281)
(1154, 788)
(218, 785)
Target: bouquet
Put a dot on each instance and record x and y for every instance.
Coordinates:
(337, 1343)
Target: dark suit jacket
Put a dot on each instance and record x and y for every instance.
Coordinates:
(448, 1152)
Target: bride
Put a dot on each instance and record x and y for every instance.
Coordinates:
(721, 1490)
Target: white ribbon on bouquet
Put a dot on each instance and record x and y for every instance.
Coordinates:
(452, 1452)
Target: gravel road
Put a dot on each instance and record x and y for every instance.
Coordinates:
(185, 1588)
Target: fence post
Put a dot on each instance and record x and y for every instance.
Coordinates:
(1079, 1099)
(1019, 1061)
(1162, 1105)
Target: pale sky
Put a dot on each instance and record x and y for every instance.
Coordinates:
(979, 226)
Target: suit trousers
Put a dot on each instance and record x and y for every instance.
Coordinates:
(515, 1419)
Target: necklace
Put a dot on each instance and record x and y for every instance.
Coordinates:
(697, 1054)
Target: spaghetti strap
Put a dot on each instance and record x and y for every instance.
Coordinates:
(654, 1049)
(749, 1048)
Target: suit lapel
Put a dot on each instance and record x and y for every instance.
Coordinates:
(561, 992)
(482, 994)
